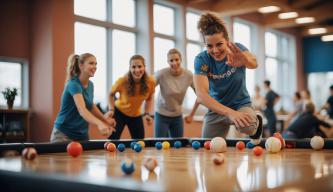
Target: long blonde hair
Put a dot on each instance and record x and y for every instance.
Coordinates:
(143, 81)
(210, 24)
(73, 62)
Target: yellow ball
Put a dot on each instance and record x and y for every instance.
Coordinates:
(142, 143)
(165, 145)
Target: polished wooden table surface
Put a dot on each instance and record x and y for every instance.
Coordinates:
(187, 169)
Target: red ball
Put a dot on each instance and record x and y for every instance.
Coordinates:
(29, 153)
(218, 158)
(106, 145)
(207, 145)
(111, 147)
(279, 136)
(257, 151)
(240, 145)
(74, 149)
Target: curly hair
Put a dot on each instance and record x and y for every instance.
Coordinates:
(210, 24)
(143, 82)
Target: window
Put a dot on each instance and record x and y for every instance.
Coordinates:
(92, 9)
(95, 44)
(192, 32)
(164, 20)
(319, 84)
(161, 48)
(242, 34)
(123, 12)
(14, 74)
(112, 39)
(280, 66)
(124, 48)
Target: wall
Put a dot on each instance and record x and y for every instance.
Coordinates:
(317, 55)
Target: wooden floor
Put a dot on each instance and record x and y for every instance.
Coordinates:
(188, 170)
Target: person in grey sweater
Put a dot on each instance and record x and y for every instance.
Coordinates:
(173, 81)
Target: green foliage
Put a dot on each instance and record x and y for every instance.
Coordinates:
(9, 94)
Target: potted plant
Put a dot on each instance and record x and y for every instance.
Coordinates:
(9, 95)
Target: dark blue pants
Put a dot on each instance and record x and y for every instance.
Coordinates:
(168, 126)
(134, 124)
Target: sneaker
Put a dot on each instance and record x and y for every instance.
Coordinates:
(256, 138)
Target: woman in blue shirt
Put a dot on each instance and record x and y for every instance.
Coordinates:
(219, 81)
(77, 107)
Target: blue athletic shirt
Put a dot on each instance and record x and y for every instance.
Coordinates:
(226, 83)
(69, 120)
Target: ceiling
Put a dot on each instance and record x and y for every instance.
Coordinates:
(321, 10)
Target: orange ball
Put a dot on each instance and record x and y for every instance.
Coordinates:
(218, 158)
(240, 145)
(74, 149)
(111, 147)
(279, 136)
(29, 153)
(207, 145)
(106, 145)
(257, 151)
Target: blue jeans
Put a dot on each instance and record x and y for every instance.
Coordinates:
(168, 126)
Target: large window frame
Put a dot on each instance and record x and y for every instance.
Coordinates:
(286, 61)
(24, 96)
(110, 27)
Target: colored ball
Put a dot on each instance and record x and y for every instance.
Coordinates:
(137, 147)
(240, 145)
(150, 164)
(142, 143)
(207, 145)
(29, 153)
(177, 144)
(273, 145)
(106, 145)
(257, 150)
(132, 144)
(121, 147)
(166, 145)
(249, 145)
(196, 145)
(218, 158)
(317, 142)
(111, 147)
(279, 136)
(127, 166)
(74, 149)
(158, 145)
(218, 145)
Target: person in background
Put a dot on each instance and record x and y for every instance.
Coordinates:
(306, 125)
(329, 104)
(258, 101)
(219, 81)
(271, 99)
(77, 109)
(298, 108)
(173, 81)
(134, 88)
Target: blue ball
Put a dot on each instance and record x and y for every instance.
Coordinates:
(132, 144)
(137, 147)
(249, 145)
(158, 145)
(127, 166)
(177, 144)
(196, 145)
(121, 147)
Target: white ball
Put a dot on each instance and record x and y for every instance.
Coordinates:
(273, 145)
(150, 163)
(317, 142)
(218, 145)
